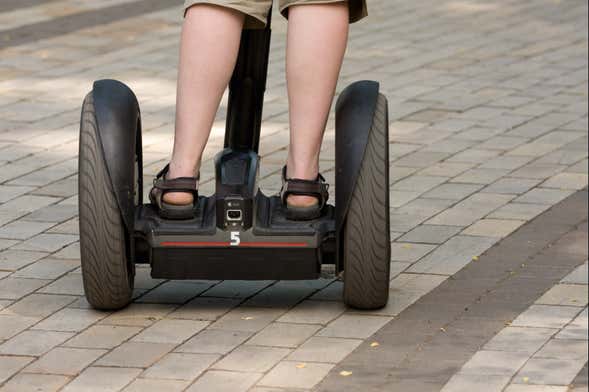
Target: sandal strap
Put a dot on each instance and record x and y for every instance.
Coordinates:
(180, 184)
(161, 186)
(295, 186)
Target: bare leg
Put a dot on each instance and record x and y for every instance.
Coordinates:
(208, 52)
(317, 38)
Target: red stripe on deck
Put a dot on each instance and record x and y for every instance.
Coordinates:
(172, 244)
(243, 244)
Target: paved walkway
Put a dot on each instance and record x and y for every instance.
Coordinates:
(488, 104)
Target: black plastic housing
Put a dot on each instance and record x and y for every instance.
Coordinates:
(235, 187)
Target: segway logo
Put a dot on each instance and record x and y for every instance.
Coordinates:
(235, 239)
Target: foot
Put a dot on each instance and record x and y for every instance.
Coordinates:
(178, 198)
(301, 200)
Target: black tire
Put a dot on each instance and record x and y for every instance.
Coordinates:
(367, 250)
(107, 274)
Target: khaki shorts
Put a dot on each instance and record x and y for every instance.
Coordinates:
(257, 10)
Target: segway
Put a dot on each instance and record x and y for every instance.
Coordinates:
(238, 233)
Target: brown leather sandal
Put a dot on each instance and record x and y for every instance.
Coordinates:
(161, 186)
(295, 186)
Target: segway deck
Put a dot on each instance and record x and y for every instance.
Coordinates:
(274, 248)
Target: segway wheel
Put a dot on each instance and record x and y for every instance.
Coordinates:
(106, 271)
(366, 249)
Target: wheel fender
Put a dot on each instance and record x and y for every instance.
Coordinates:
(354, 116)
(119, 131)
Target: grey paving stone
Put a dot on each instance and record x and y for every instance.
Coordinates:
(471, 209)
(170, 331)
(11, 325)
(543, 196)
(223, 381)
(236, 289)
(12, 260)
(471, 382)
(286, 293)
(520, 339)
(515, 186)
(574, 181)
(71, 251)
(154, 385)
(22, 230)
(139, 315)
(333, 292)
(68, 227)
(451, 256)
(102, 336)
(354, 326)
(71, 320)
(252, 359)
(473, 156)
(452, 191)
(418, 183)
(283, 335)
(175, 292)
(35, 382)
(47, 242)
(506, 162)
(205, 308)
(8, 192)
(213, 341)
(70, 284)
(321, 349)
(33, 342)
(400, 198)
(502, 143)
(497, 363)
(102, 379)
(565, 294)
(409, 252)
(535, 388)
(519, 211)
(430, 234)
(180, 366)
(5, 244)
(546, 316)
(313, 312)
(421, 159)
(289, 374)
(247, 319)
(480, 176)
(540, 171)
(549, 371)
(47, 269)
(16, 288)
(578, 276)
(493, 228)
(53, 214)
(577, 329)
(65, 361)
(564, 349)
(11, 364)
(446, 169)
(38, 305)
(135, 354)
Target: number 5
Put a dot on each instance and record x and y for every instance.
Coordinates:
(235, 240)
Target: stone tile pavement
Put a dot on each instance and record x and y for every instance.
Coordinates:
(488, 104)
(543, 349)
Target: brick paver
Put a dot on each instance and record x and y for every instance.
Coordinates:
(488, 105)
